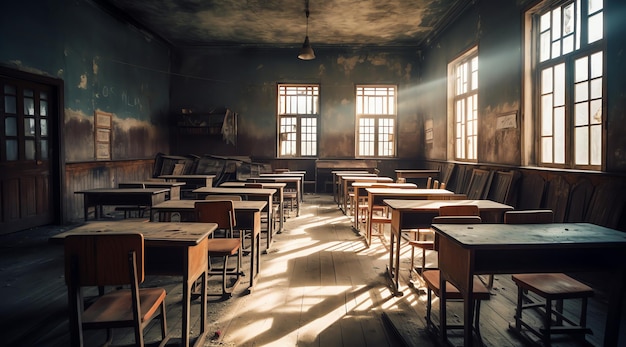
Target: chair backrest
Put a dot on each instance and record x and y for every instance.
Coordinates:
(459, 210)
(223, 197)
(457, 220)
(103, 259)
(221, 212)
(528, 216)
(429, 182)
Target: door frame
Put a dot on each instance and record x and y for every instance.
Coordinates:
(57, 150)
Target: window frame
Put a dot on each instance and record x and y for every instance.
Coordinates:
(534, 68)
(301, 122)
(378, 118)
(464, 58)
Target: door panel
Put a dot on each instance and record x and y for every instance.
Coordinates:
(26, 116)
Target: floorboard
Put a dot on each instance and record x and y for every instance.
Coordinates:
(319, 286)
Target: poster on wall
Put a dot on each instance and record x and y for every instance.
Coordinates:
(428, 130)
(102, 135)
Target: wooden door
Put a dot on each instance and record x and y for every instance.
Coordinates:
(28, 113)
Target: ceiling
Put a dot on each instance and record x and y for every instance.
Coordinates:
(283, 22)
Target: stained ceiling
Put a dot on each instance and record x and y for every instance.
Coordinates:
(283, 22)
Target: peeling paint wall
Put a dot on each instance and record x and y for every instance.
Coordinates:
(496, 28)
(245, 80)
(106, 65)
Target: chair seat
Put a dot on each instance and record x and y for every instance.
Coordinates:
(431, 277)
(553, 285)
(116, 307)
(427, 245)
(224, 247)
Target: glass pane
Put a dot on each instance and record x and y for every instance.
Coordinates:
(44, 149)
(43, 108)
(595, 151)
(546, 150)
(556, 49)
(568, 44)
(546, 81)
(582, 70)
(29, 149)
(29, 126)
(596, 25)
(596, 65)
(546, 115)
(544, 22)
(582, 146)
(11, 149)
(556, 24)
(582, 114)
(10, 124)
(596, 89)
(28, 93)
(595, 5)
(43, 125)
(559, 135)
(10, 104)
(29, 107)
(43, 95)
(581, 92)
(596, 111)
(559, 85)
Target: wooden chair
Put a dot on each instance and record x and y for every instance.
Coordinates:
(110, 260)
(424, 238)
(222, 212)
(551, 287)
(432, 277)
(276, 213)
(133, 210)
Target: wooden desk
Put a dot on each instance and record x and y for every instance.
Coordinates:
(300, 174)
(267, 185)
(192, 181)
(172, 249)
(417, 174)
(376, 197)
(337, 182)
(174, 187)
(345, 182)
(361, 193)
(467, 250)
(247, 216)
(295, 182)
(416, 214)
(99, 197)
(262, 194)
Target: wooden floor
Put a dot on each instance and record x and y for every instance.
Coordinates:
(319, 286)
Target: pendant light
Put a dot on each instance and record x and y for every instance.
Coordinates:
(306, 52)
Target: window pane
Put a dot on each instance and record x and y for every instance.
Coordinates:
(546, 115)
(546, 81)
(43, 123)
(10, 104)
(596, 25)
(582, 69)
(559, 85)
(546, 150)
(581, 139)
(29, 149)
(10, 126)
(582, 114)
(596, 145)
(29, 126)
(596, 111)
(544, 50)
(595, 5)
(43, 108)
(11, 147)
(596, 89)
(44, 149)
(596, 65)
(581, 92)
(29, 106)
(559, 135)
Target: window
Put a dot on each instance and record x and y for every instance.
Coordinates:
(376, 119)
(568, 83)
(298, 120)
(464, 87)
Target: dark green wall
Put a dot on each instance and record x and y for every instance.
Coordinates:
(106, 65)
(245, 80)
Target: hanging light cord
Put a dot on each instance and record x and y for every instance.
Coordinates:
(306, 11)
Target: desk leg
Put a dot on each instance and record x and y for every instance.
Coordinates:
(270, 224)
(255, 250)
